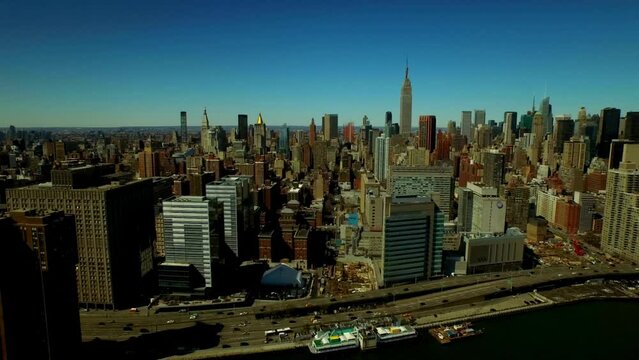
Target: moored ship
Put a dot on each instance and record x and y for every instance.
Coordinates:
(446, 334)
(334, 340)
(387, 334)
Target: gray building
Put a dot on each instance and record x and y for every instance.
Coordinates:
(465, 198)
(381, 153)
(494, 168)
(488, 252)
(329, 126)
(408, 239)
(480, 117)
(466, 124)
(234, 194)
(192, 233)
(431, 181)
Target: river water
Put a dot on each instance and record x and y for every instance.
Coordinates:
(590, 330)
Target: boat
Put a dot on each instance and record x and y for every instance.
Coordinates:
(458, 331)
(334, 340)
(386, 334)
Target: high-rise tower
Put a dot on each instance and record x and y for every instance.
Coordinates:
(427, 129)
(260, 135)
(582, 118)
(405, 106)
(184, 139)
(388, 124)
(205, 137)
(630, 130)
(513, 123)
(329, 126)
(283, 143)
(242, 126)
(114, 227)
(480, 117)
(312, 132)
(546, 112)
(466, 126)
(564, 130)
(608, 130)
(620, 233)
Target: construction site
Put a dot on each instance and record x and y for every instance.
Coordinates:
(345, 278)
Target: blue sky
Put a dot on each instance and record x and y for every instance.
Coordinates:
(115, 63)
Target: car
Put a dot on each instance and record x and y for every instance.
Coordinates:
(170, 321)
(133, 309)
(193, 316)
(243, 313)
(127, 328)
(183, 310)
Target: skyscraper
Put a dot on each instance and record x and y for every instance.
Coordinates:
(114, 225)
(205, 137)
(284, 145)
(381, 152)
(494, 168)
(192, 233)
(233, 193)
(582, 120)
(631, 126)
(465, 209)
(513, 123)
(409, 225)
(184, 137)
(39, 316)
(428, 181)
(620, 233)
(509, 127)
(546, 112)
(148, 161)
(517, 202)
(564, 131)
(405, 106)
(242, 126)
(388, 124)
(427, 132)
(480, 117)
(608, 130)
(329, 126)
(312, 132)
(489, 210)
(259, 137)
(466, 124)
(349, 132)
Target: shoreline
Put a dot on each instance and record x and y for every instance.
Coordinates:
(454, 317)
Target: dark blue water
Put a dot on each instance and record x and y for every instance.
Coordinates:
(592, 330)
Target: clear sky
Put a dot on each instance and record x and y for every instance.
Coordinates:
(140, 62)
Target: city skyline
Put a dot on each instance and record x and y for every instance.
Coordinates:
(134, 64)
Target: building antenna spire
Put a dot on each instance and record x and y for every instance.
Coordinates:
(407, 67)
(533, 108)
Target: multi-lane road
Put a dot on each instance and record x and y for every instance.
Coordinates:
(240, 327)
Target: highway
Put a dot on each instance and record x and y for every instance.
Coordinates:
(241, 328)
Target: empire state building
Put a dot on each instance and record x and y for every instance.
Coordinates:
(405, 106)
